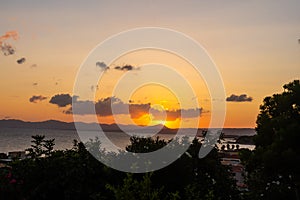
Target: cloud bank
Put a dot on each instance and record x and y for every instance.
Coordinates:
(105, 107)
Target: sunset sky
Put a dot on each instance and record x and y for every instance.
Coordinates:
(254, 44)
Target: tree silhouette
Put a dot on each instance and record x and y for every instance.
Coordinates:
(40, 146)
(274, 166)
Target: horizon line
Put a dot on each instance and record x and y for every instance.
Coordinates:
(123, 124)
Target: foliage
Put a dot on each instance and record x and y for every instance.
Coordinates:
(76, 174)
(40, 146)
(143, 145)
(274, 166)
(133, 189)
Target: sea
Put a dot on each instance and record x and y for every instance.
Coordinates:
(19, 139)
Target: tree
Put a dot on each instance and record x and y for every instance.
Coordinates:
(76, 174)
(68, 174)
(143, 145)
(274, 166)
(49, 146)
(40, 146)
(133, 189)
(36, 149)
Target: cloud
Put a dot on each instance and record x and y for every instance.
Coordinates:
(61, 100)
(239, 98)
(126, 68)
(105, 107)
(35, 84)
(172, 115)
(138, 110)
(33, 65)
(6, 48)
(10, 34)
(21, 60)
(102, 65)
(35, 98)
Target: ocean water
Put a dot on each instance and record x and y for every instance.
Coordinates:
(16, 139)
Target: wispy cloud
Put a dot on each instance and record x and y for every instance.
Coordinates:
(126, 68)
(239, 98)
(6, 48)
(102, 65)
(36, 98)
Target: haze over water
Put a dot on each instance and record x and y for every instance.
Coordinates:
(17, 139)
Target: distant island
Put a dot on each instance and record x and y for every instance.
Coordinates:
(59, 125)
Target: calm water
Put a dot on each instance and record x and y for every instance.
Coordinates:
(15, 139)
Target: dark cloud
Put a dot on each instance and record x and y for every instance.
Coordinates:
(6, 48)
(34, 84)
(191, 113)
(104, 107)
(82, 108)
(172, 115)
(21, 60)
(126, 68)
(61, 100)
(102, 65)
(239, 98)
(138, 110)
(36, 98)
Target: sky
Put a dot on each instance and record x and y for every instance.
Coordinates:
(254, 45)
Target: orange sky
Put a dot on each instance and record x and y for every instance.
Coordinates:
(253, 44)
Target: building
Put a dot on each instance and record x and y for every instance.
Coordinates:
(231, 159)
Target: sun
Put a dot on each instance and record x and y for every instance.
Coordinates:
(161, 122)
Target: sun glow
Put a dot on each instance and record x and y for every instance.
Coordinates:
(162, 122)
